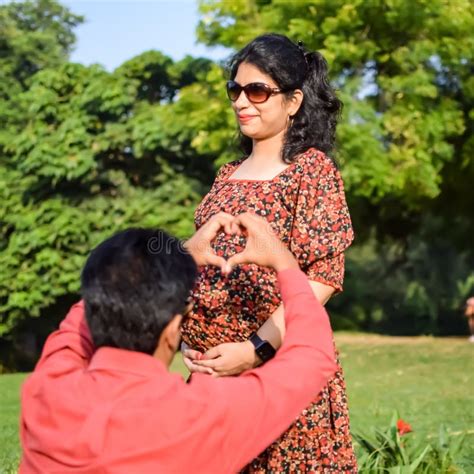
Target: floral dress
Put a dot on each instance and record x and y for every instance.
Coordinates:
(305, 204)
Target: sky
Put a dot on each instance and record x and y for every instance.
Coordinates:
(115, 31)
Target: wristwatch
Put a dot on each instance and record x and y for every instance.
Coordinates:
(263, 348)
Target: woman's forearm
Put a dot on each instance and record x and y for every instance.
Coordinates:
(273, 329)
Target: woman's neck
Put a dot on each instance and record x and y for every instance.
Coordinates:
(268, 149)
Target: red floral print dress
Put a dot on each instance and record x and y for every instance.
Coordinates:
(306, 206)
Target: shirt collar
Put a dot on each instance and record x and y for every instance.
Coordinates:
(112, 358)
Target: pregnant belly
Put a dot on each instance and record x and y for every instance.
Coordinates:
(230, 309)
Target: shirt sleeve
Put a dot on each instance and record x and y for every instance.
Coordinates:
(258, 406)
(322, 227)
(70, 347)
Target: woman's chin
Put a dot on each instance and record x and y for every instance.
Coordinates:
(248, 130)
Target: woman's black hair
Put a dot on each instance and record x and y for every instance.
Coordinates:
(292, 67)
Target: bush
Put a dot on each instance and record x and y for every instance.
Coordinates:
(393, 451)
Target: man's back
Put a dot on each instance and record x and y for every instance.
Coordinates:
(117, 405)
(121, 411)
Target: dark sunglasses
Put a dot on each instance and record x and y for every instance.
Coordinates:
(256, 92)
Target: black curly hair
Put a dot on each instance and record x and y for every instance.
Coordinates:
(292, 67)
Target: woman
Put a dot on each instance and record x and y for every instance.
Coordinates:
(287, 114)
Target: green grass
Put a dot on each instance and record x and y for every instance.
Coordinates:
(428, 380)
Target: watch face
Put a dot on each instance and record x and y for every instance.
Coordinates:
(265, 351)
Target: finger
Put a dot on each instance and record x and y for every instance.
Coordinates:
(216, 223)
(214, 226)
(245, 224)
(226, 268)
(239, 258)
(235, 229)
(249, 220)
(213, 259)
(194, 368)
(228, 227)
(222, 219)
(212, 353)
(189, 364)
(223, 215)
(213, 364)
(192, 354)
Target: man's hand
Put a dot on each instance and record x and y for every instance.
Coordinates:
(199, 245)
(263, 247)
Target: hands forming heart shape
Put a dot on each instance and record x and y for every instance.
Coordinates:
(263, 246)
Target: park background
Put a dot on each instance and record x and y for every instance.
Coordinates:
(88, 149)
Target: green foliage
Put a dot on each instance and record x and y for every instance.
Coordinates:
(416, 285)
(85, 152)
(89, 153)
(405, 145)
(34, 35)
(405, 73)
(393, 452)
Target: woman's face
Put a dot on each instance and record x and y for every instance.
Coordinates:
(266, 120)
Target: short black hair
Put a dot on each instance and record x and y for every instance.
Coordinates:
(133, 284)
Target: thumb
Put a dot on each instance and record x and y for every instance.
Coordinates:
(238, 258)
(213, 259)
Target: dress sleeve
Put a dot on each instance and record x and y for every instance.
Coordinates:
(226, 170)
(322, 227)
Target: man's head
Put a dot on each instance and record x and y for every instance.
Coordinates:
(135, 285)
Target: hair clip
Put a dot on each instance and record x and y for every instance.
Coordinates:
(300, 45)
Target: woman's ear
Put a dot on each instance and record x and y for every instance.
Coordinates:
(294, 102)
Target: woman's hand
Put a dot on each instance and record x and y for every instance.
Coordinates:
(199, 245)
(230, 358)
(190, 356)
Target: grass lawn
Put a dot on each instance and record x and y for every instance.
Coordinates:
(428, 380)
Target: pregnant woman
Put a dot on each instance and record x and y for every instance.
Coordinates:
(287, 114)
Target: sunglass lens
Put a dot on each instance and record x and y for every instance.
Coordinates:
(257, 92)
(233, 90)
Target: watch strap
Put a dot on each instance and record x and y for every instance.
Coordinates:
(263, 349)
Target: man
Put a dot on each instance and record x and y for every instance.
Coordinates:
(103, 401)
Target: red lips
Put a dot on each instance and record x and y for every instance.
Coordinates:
(245, 118)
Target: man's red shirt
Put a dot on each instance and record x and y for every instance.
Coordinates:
(120, 411)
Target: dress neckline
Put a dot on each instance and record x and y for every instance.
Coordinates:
(239, 162)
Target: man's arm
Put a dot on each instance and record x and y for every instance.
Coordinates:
(261, 404)
(70, 347)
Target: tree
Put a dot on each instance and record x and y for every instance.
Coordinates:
(86, 153)
(405, 143)
(33, 35)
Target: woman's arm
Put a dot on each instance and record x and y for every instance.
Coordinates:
(273, 330)
(235, 357)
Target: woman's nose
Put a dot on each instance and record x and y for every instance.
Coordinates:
(242, 100)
